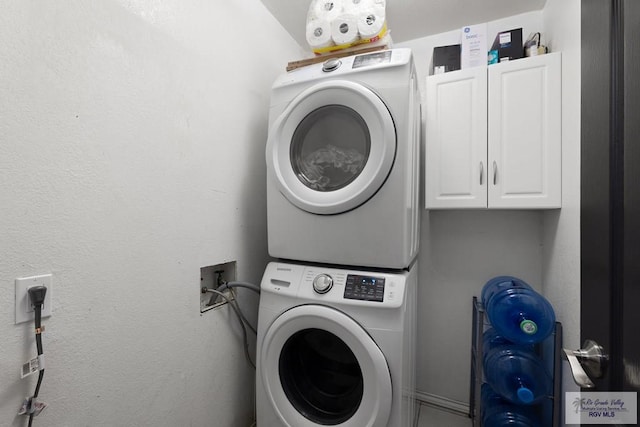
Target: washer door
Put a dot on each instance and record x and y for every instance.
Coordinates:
(332, 148)
(320, 368)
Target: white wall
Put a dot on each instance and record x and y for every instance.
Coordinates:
(461, 250)
(131, 155)
(561, 281)
(562, 228)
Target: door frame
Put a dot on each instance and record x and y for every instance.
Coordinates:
(610, 182)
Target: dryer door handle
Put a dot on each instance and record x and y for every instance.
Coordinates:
(279, 282)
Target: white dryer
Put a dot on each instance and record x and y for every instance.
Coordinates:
(343, 162)
(335, 347)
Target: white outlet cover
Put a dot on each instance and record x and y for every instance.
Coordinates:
(24, 309)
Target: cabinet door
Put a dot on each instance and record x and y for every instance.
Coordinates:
(456, 140)
(524, 136)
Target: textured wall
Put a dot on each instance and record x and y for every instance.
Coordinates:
(131, 155)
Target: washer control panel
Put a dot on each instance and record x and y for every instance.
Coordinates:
(366, 288)
(330, 285)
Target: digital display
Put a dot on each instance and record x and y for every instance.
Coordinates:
(372, 59)
(366, 288)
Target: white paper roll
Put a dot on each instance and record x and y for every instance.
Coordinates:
(371, 22)
(319, 33)
(344, 29)
(357, 7)
(354, 7)
(324, 9)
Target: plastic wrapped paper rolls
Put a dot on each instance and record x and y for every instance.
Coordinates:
(341, 24)
(319, 33)
(325, 10)
(344, 29)
(355, 6)
(371, 22)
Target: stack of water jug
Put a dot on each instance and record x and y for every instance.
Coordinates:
(516, 379)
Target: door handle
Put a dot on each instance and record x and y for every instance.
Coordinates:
(586, 363)
(481, 172)
(495, 172)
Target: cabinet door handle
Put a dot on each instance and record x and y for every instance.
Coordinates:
(495, 172)
(481, 172)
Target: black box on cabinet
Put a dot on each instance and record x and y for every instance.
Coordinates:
(508, 44)
(446, 58)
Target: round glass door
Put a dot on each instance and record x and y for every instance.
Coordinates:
(332, 148)
(321, 376)
(321, 368)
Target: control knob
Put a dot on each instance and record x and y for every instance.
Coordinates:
(331, 65)
(322, 283)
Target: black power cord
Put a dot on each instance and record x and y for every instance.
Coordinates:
(37, 295)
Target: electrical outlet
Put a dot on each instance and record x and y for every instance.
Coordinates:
(212, 277)
(24, 308)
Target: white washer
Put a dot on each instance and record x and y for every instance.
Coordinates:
(335, 347)
(342, 162)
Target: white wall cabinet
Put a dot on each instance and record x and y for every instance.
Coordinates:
(456, 139)
(493, 136)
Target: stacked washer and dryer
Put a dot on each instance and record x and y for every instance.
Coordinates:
(336, 321)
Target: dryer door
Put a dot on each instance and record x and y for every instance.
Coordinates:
(332, 148)
(321, 368)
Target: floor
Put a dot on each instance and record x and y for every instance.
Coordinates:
(431, 416)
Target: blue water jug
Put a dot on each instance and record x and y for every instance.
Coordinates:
(516, 311)
(491, 339)
(517, 374)
(497, 412)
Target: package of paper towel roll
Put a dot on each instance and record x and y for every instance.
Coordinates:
(340, 24)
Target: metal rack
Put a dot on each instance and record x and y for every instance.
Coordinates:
(549, 350)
